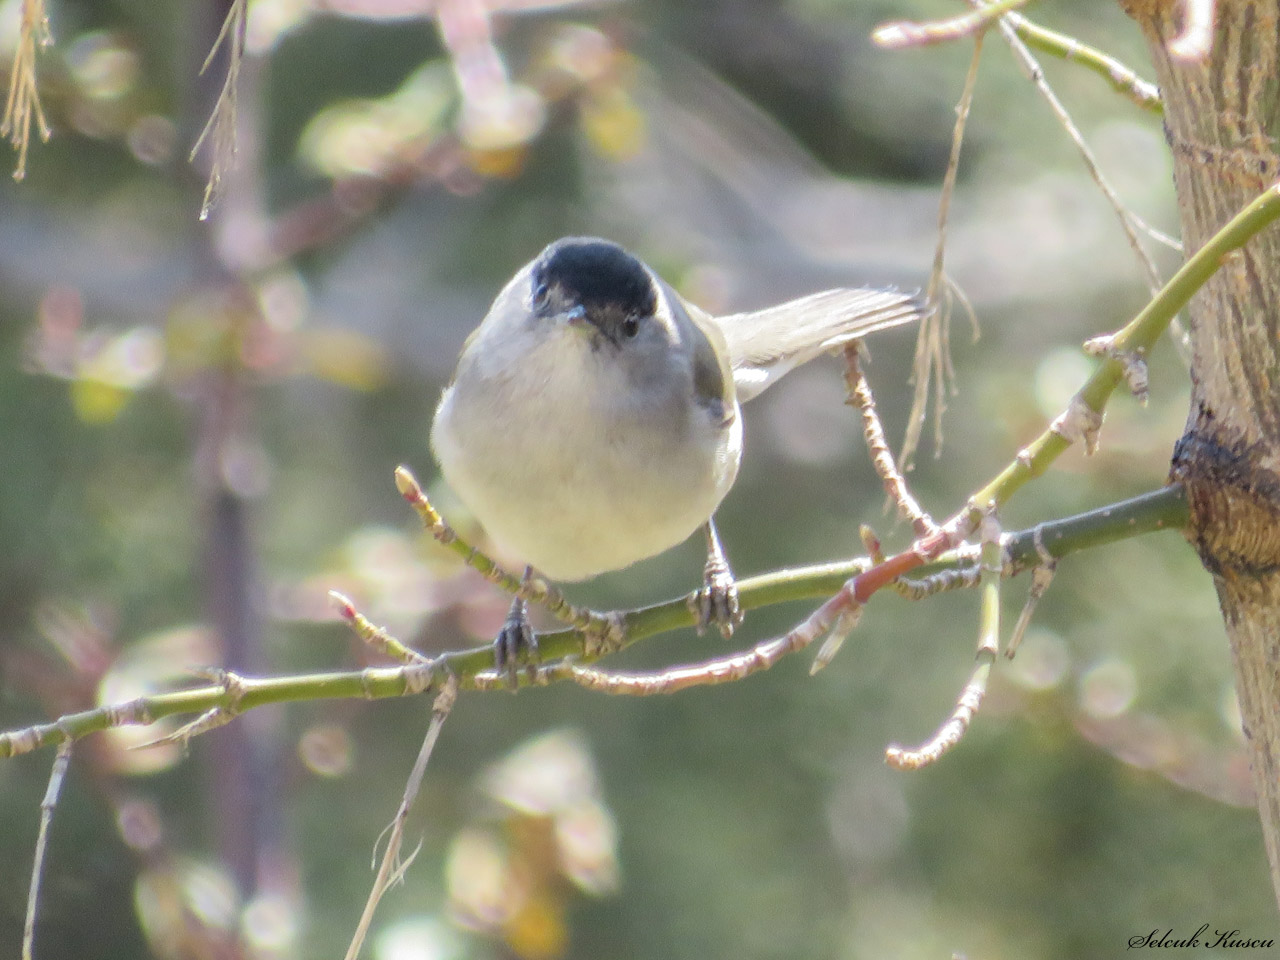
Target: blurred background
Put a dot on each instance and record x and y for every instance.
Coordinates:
(199, 423)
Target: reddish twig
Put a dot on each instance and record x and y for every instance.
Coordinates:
(895, 485)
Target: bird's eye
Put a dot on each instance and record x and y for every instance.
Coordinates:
(630, 327)
(539, 296)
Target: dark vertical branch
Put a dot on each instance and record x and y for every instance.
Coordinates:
(240, 762)
(243, 757)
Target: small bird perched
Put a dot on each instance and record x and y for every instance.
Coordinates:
(593, 419)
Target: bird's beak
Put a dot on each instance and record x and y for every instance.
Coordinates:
(577, 318)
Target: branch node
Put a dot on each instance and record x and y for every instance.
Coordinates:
(1041, 577)
(233, 689)
(421, 676)
(845, 622)
(1079, 422)
(608, 634)
(1132, 362)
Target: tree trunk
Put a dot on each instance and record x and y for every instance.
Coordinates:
(1220, 120)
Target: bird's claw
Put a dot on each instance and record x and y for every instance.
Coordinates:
(717, 600)
(516, 639)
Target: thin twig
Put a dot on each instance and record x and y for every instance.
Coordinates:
(1083, 416)
(223, 118)
(970, 700)
(719, 670)
(1035, 73)
(847, 617)
(1129, 223)
(50, 803)
(943, 581)
(932, 363)
(606, 630)
(23, 102)
(1123, 80)
(1159, 236)
(918, 589)
(1041, 577)
(858, 394)
(950, 733)
(392, 868)
(374, 636)
(901, 34)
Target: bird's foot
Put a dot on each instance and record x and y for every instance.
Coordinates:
(516, 640)
(717, 601)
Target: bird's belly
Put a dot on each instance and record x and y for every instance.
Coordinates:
(574, 496)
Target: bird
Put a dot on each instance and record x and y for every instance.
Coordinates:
(594, 417)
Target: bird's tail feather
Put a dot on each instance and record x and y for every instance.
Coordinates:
(766, 344)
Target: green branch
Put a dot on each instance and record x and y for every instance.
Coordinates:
(1129, 346)
(1164, 509)
(1123, 80)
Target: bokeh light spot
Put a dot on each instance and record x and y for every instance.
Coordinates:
(139, 824)
(418, 938)
(1058, 376)
(151, 139)
(326, 750)
(101, 67)
(1042, 661)
(1108, 688)
(270, 925)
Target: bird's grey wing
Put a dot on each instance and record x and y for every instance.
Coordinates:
(765, 344)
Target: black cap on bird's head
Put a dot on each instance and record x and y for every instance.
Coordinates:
(597, 275)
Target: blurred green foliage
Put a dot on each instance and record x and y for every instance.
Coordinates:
(175, 392)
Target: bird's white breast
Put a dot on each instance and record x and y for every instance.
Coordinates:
(566, 467)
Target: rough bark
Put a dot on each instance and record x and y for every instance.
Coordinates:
(1220, 122)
